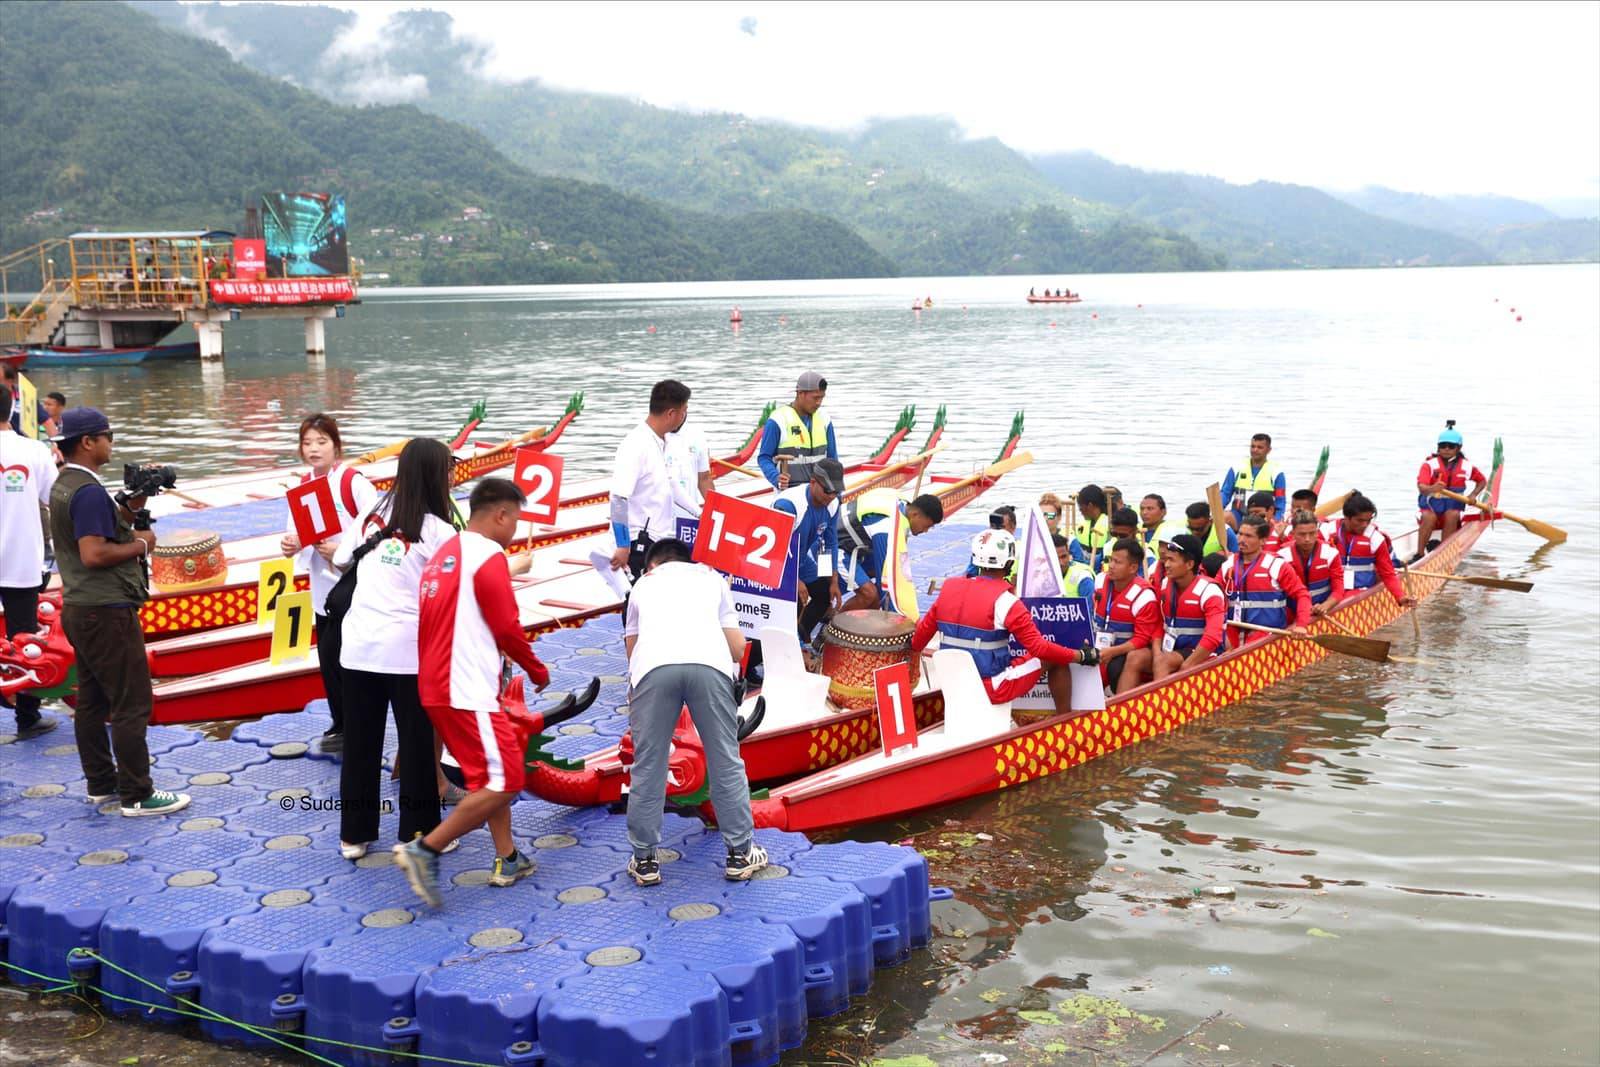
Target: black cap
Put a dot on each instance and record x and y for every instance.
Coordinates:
(1189, 545)
(830, 473)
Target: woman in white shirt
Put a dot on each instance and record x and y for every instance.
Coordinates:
(379, 654)
(322, 449)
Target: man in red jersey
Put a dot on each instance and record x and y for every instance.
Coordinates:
(468, 617)
(1127, 618)
(1366, 551)
(1261, 586)
(979, 616)
(1260, 505)
(1316, 562)
(1193, 609)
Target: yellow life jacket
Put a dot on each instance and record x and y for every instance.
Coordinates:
(807, 445)
(1245, 483)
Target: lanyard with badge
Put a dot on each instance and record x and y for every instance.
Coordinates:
(1105, 638)
(1169, 640)
(1242, 584)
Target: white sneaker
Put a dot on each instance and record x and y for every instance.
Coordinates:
(352, 852)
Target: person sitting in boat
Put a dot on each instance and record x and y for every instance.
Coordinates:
(1303, 500)
(1030, 290)
(1125, 523)
(1076, 577)
(1258, 472)
(815, 506)
(1194, 609)
(1198, 518)
(1004, 518)
(980, 615)
(1446, 469)
(1094, 528)
(1260, 504)
(1155, 529)
(1365, 550)
(1260, 586)
(865, 526)
(1127, 618)
(1317, 562)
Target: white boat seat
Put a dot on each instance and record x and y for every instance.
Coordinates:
(793, 693)
(968, 713)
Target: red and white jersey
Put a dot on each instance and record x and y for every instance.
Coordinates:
(1455, 476)
(353, 495)
(1130, 614)
(1322, 574)
(466, 619)
(1195, 617)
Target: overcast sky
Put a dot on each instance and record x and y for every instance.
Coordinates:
(1438, 98)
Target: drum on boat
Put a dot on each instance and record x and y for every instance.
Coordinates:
(856, 643)
(188, 559)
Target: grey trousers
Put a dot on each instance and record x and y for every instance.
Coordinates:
(657, 701)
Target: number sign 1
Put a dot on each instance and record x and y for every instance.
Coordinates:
(743, 539)
(277, 578)
(897, 723)
(312, 509)
(292, 627)
(538, 474)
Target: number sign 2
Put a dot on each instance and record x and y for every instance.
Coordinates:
(277, 578)
(538, 474)
(292, 627)
(743, 539)
(312, 509)
(897, 724)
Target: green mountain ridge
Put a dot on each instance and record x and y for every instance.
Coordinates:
(1514, 231)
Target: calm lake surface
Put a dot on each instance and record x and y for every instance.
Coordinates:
(1415, 850)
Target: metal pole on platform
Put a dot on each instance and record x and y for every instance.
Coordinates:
(316, 344)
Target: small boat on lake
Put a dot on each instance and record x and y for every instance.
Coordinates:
(1072, 299)
(80, 356)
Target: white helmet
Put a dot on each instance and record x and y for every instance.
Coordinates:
(994, 550)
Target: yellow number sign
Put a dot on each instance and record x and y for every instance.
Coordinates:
(292, 627)
(277, 578)
(27, 403)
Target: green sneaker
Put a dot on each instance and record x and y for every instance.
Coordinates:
(159, 802)
(507, 873)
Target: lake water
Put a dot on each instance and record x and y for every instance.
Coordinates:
(1415, 850)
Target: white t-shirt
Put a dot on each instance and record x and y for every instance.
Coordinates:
(640, 475)
(323, 576)
(688, 456)
(380, 630)
(678, 612)
(27, 471)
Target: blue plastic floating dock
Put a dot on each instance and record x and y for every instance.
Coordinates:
(241, 909)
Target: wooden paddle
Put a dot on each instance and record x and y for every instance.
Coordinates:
(1533, 526)
(735, 467)
(1334, 506)
(1487, 583)
(1360, 647)
(1394, 657)
(1219, 515)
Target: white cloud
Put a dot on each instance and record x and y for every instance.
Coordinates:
(1459, 98)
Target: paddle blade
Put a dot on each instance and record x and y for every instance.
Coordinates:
(1541, 529)
(1360, 647)
(1332, 507)
(1501, 583)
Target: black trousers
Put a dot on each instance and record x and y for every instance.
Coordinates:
(816, 608)
(368, 696)
(328, 645)
(113, 688)
(22, 617)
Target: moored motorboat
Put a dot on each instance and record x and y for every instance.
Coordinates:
(35, 356)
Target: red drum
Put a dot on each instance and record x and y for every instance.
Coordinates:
(855, 644)
(188, 559)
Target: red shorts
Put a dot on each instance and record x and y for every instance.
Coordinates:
(485, 744)
(1015, 681)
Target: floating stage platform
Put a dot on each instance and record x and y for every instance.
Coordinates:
(240, 914)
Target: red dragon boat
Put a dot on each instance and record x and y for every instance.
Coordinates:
(1073, 299)
(560, 590)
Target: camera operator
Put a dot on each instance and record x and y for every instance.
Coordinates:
(102, 561)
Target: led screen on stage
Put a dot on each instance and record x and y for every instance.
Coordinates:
(305, 235)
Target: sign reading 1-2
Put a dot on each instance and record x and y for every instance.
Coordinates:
(743, 539)
(312, 509)
(897, 724)
(538, 474)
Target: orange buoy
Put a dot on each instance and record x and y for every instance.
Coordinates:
(1519, 318)
(650, 329)
(1052, 325)
(1096, 315)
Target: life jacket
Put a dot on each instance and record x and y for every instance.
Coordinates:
(1089, 541)
(795, 439)
(1219, 540)
(1152, 536)
(1244, 483)
(1455, 477)
(1360, 554)
(1077, 574)
(1255, 594)
(972, 617)
(1184, 614)
(1115, 615)
(861, 521)
(1317, 573)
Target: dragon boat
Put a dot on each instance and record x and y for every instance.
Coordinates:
(561, 589)
(1054, 299)
(581, 515)
(844, 780)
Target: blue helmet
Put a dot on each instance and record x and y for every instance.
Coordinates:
(1450, 435)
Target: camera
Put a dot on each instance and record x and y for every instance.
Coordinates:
(145, 479)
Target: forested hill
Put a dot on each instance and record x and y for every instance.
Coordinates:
(111, 120)
(918, 190)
